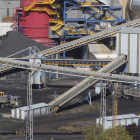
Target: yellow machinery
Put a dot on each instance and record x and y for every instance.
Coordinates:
(20, 132)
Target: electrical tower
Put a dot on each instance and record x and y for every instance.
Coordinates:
(103, 103)
(115, 107)
(29, 119)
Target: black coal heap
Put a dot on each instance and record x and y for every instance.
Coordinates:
(14, 42)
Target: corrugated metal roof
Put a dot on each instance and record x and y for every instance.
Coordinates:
(34, 106)
(120, 117)
(130, 31)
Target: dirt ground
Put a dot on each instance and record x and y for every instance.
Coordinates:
(74, 113)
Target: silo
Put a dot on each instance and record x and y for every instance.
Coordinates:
(35, 24)
(133, 9)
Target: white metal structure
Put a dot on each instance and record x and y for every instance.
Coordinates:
(123, 120)
(5, 27)
(37, 110)
(128, 43)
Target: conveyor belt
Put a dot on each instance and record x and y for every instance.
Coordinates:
(85, 84)
(95, 37)
(75, 62)
(60, 62)
(80, 87)
(90, 38)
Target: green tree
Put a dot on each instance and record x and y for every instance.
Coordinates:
(96, 132)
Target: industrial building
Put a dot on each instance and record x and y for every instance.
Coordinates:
(123, 120)
(38, 110)
(94, 40)
(7, 9)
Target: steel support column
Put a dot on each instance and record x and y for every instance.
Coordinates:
(29, 119)
(103, 104)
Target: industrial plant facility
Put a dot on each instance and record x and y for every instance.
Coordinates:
(68, 66)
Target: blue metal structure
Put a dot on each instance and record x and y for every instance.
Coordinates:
(90, 19)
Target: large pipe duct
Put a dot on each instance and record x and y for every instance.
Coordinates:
(133, 9)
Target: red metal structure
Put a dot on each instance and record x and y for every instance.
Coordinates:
(32, 19)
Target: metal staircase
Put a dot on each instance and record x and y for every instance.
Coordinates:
(58, 27)
(88, 39)
(85, 84)
(91, 38)
(88, 4)
(47, 10)
(32, 4)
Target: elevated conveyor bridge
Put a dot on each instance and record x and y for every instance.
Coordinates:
(60, 62)
(93, 78)
(82, 41)
(91, 38)
(85, 84)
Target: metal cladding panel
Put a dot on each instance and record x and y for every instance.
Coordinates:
(36, 25)
(13, 113)
(129, 121)
(135, 120)
(108, 124)
(0, 15)
(23, 115)
(38, 73)
(17, 113)
(139, 53)
(117, 45)
(124, 44)
(5, 27)
(37, 112)
(122, 121)
(43, 111)
(75, 13)
(133, 53)
(37, 76)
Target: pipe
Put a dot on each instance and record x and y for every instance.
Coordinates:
(132, 9)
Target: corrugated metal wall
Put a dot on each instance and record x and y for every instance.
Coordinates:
(3, 8)
(75, 13)
(128, 44)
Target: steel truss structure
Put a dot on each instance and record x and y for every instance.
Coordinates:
(92, 78)
(92, 14)
(29, 119)
(103, 103)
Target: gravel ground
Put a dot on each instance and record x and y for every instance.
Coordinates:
(15, 84)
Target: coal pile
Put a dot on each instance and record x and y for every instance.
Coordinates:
(14, 42)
